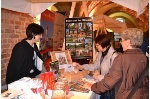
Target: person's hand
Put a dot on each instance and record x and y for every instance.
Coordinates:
(74, 64)
(87, 85)
(95, 76)
(77, 65)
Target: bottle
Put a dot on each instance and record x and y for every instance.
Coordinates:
(59, 91)
(65, 81)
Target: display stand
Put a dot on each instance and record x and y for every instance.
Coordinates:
(67, 56)
(79, 38)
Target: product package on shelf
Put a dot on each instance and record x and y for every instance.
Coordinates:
(54, 67)
(47, 82)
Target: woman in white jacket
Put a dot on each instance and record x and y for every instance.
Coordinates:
(104, 59)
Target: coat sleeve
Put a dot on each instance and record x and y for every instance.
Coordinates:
(18, 65)
(93, 66)
(110, 79)
(100, 77)
(19, 59)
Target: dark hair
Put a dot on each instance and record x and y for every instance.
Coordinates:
(103, 40)
(33, 29)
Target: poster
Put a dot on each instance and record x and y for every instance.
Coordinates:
(47, 22)
(79, 36)
(62, 60)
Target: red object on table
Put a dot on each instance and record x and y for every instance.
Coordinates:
(47, 80)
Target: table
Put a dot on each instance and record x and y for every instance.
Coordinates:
(79, 95)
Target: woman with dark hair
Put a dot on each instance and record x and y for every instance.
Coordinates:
(104, 59)
(25, 55)
(106, 55)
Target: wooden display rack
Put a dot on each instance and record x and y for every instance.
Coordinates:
(53, 57)
(71, 76)
(69, 60)
(75, 76)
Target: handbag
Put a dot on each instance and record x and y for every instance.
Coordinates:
(110, 94)
(139, 81)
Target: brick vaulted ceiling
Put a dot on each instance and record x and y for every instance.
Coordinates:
(108, 8)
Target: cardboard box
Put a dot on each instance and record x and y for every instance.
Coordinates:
(75, 76)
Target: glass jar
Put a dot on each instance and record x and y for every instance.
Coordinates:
(64, 80)
(59, 85)
(59, 91)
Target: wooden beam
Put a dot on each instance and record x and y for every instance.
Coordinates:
(72, 9)
(85, 9)
(46, 1)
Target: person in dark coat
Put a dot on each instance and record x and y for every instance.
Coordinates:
(126, 69)
(145, 43)
(26, 60)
